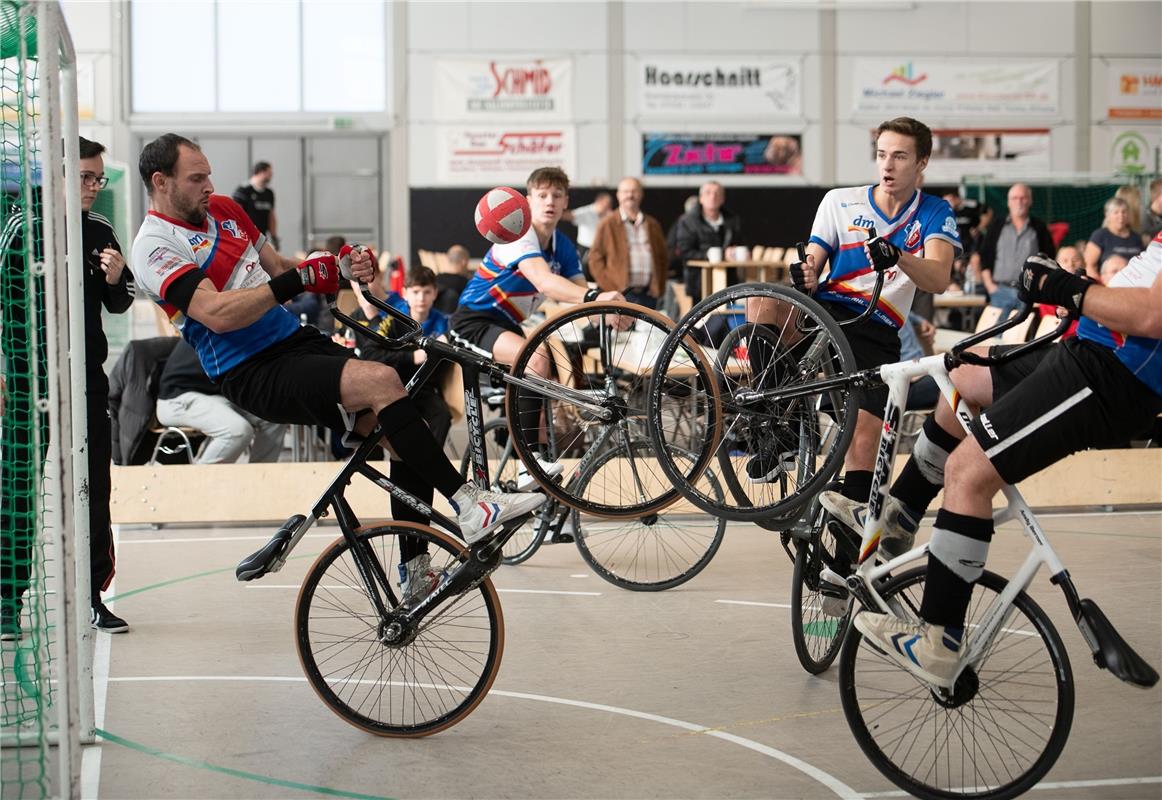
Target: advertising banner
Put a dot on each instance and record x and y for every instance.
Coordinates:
(962, 87)
(1135, 150)
(1019, 152)
(747, 87)
(503, 89)
(482, 155)
(1134, 89)
(722, 154)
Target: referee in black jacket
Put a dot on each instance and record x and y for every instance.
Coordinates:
(106, 285)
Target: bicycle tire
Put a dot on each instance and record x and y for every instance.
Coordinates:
(422, 687)
(818, 637)
(658, 551)
(812, 347)
(502, 470)
(616, 381)
(950, 764)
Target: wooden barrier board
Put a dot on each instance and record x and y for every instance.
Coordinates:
(269, 493)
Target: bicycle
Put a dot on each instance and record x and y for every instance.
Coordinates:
(1006, 720)
(408, 670)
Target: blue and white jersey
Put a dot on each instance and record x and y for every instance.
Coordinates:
(499, 287)
(842, 225)
(1141, 355)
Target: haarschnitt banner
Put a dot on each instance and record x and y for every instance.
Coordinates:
(746, 87)
(479, 155)
(502, 89)
(955, 87)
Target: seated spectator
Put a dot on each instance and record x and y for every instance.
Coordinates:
(586, 218)
(187, 398)
(1007, 243)
(1115, 237)
(1152, 219)
(709, 225)
(677, 268)
(629, 251)
(1069, 257)
(450, 283)
(1111, 267)
(418, 296)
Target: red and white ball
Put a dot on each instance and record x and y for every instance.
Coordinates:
(503, 215)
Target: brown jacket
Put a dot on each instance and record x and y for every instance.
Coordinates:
(609, 256)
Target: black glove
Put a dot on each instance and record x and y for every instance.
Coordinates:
(798, 279)
(1044, 281)
(884, 254)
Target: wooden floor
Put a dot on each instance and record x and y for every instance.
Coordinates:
(695, 692)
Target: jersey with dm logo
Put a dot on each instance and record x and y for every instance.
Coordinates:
(1141, 355)
(225, 248)
(500, 288)
(843, 223)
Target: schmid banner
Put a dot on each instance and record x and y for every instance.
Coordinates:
(752, 87)
(722, 154)
(962, 87)
(482, 155)
(1135, 89)
(503, 89)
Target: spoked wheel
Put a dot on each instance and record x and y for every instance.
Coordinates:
(820, 613)
(776, 440)
(995, 735)
(419, 684)
(600, 357)
(503, 466)
(659, 550)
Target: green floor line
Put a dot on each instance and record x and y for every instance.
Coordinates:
(236, 773)
(185, 578)
(824, 629)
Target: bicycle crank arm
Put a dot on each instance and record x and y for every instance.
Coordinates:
(1110, 650)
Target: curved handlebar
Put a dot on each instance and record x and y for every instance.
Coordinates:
(411, 328)
(801, 247)
(959, 355)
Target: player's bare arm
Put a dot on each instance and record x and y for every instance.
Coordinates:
(555, 287)
(223, 312)
(933, 272)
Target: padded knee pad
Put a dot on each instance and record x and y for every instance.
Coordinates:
(930, 458)
(961, 554)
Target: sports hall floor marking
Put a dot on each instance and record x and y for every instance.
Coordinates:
(297, 586)
(753, 603)
(838, 787)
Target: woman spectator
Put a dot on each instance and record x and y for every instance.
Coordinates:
(1114, 238)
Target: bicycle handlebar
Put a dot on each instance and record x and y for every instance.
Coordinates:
(959, 355)
(801, 247)
(411, 328)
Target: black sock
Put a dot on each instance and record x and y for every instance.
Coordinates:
(946, 594)
(913, 488)
(409, 436)
(529, 416)
(857, 485)
(403, 476)
(767, 359)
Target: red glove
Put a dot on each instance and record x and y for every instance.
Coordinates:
(320, 274)
(345, 253)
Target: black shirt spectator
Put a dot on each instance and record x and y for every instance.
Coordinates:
(711, 224)
(257, 200)
(97, 235)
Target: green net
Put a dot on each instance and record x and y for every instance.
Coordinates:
(26, 695)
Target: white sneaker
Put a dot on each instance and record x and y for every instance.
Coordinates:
(525, 480)
(480, 513)
(922, 649)
(418, 579)
(899, 529)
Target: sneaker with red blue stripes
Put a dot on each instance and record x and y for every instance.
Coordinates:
(480, 513)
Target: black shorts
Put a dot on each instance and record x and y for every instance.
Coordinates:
(873, 344)
(295, 381)
(479, 329)
(1057, 400)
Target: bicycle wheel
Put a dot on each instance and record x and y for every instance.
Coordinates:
(773, 452)
(656, 551)
(817, 634)
(996, 736)
(595, 403)
(502, 470)
(417, 688)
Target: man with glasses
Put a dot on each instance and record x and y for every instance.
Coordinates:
(106, 284)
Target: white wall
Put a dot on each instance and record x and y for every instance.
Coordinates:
(605, 39)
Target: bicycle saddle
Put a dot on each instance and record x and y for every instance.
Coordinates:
(1110, 650)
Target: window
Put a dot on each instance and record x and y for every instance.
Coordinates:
(258, 56)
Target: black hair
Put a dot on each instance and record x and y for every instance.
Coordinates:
(161, 155)
(90, 149)
(260, 166)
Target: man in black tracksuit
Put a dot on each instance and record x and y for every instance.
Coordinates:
(708, 225)
(106, 284)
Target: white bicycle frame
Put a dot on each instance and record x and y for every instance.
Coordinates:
(868, 573)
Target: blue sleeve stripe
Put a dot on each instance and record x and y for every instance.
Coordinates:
(823, 244)
(955, 242)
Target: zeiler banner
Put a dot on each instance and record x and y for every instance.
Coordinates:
(503, 89)
(962, 87)
(722, 154)
(481, 155)
(753, 87)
